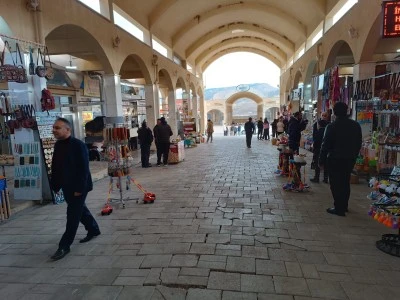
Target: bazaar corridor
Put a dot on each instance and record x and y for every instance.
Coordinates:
(221, 228)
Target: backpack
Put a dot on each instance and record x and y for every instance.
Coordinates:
(47, 100)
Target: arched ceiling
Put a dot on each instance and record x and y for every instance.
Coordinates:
(197, 30)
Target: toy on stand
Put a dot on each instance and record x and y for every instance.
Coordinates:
(386, 210)
(284, 156)
(5, 208)
(295, 183)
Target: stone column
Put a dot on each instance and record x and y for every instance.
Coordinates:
(151, 104)
(195, 113)
(203, 115)
(172, 112)
(260, 110)
(229, 113)
(112, 98)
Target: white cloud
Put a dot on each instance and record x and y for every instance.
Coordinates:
(239, 68)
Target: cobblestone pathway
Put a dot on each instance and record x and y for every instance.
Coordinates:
(221, 228)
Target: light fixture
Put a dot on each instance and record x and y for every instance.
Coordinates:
(237, 31)
(71, 67)
(398, 50)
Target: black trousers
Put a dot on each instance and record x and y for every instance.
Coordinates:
(145, 155)
(248, 139)
(260, 133)
(318, 169)
(162, 151)
(339, 179)
(266, 134)
(77, 212)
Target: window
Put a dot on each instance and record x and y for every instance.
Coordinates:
(189, 68)
(315, 36)
(159, 47)
(93, 4)
(340, 9)
(300, 52)
(122, 20)
(345, 8)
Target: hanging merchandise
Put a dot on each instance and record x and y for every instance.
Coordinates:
(47, 100)
(22, 77)
(8, 72)
(40, 70)
(31, 63)
(49, 70)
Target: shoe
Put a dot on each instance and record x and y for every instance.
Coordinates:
(165, 165)
(89, 237)
(325, 181)
(158, 164)
(315, 180)
(333, 211)
(60, 253)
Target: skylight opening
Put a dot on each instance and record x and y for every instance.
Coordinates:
(93, 4)
(126, 23)
(341, 12)
(159, 48)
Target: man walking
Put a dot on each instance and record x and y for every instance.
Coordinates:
(296, 126)
(145, 137)
(70, 172)
(210, 130)
(340, 147)
(162, 133)
(249, 128)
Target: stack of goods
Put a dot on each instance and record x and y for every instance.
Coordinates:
(119, 158)
(6, 160)
(386, 210)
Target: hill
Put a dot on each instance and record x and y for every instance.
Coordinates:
(261, 89)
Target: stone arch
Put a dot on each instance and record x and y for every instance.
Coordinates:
(271, 113)
(340, 53)
(216, 116)
(77, 41)
(180, 83)
(168, 104)
(372, 40)
(133, 67)
(311, 70)
(232, 99)
(298, 77)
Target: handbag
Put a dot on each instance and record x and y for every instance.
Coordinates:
(22, 77)
(49, 70)
(8, 73)
(31, 63)
(40, 70)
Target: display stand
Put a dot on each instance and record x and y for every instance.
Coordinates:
(176, 152)
(296, 184)
(119, 161)
(283, 164)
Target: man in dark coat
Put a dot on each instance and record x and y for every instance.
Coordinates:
(340, 147)
(295, 126)
(249, 128)
(318, 136)
(162, 133)
(70, 172)
(145, 137)
(260, 127)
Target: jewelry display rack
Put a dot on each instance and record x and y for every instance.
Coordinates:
(119, 160)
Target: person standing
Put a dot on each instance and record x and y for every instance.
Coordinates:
(239, 128)
(273, 125)
(295, 127)
(210, 130)
(340, 147)
(280, 126)
(316, 149)
(249, 128)
(324, 117)
(162, 133)
(260, 127)
(266, 129)
(145, 137)
(70, 172)
(158, 149)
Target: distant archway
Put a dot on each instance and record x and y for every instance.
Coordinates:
(235, 97)
(216, 116)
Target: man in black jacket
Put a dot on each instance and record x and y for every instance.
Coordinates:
(340, 147)
(162, 133)
(145, 137)
(70, 172)
(260, 127)
(249, 128)
(295, 127)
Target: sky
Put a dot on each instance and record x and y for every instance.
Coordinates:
(240, 68)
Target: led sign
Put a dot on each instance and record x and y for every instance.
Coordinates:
(391, 19)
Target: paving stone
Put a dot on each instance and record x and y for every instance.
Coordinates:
(194, 271)
(168, 293)
(280, 297)
(137, 293)
(196, 281)
(184, 261)
(309, 271)
(225, 281)
(291, 286)
(153, 278)
(257, 283)
(241, 264)
(169, 275)
(156, 261)
(293, 269)
(269, 267)
(218, 238)
(202, 294)
(358, 291)
(229, 295)
(200, 248)
(257, 252)
(129, 281)
(326, 289)
(164, 248)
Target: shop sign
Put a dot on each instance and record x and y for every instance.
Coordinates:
(91, 87)
(391, 19)
(243, 87)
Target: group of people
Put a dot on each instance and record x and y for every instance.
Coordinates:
(162, 133)
(233, 130)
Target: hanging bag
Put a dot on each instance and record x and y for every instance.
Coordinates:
(47, 100)
(8, 73)
(49, 70)
(22, 77)
(31, 63)
(40, 70)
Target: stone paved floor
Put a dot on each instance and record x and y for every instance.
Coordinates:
(221, 228)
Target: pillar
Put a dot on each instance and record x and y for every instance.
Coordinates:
(112, 98)
(203, 116)
(152, 107)
(228, 113)
(260, 110)
(195, 113)
(172, 121)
